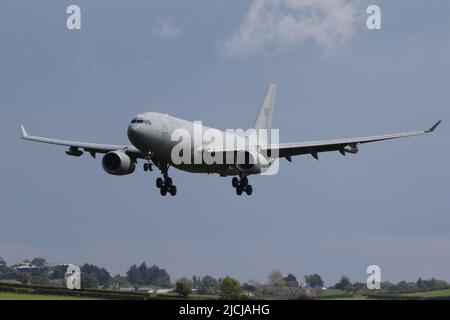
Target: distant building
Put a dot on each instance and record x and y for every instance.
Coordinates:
(161, 291)
(26, 267)
(147, 290)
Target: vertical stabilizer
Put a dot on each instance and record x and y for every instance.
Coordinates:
(264, 118)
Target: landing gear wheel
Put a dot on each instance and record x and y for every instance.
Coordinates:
(235, 182)
(164, 183)
(249, 190)
(146, 166)
(159, 182)
(239, 190)
(244, 182)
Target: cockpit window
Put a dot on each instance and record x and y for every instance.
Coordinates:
(141, 121)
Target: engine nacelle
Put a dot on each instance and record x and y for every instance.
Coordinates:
(118, 163)
(251, 161)
(351, 148)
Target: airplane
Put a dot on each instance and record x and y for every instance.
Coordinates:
(150, 136)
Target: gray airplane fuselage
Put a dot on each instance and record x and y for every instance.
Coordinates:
(151, 133)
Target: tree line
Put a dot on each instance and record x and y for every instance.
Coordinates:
(39, 272)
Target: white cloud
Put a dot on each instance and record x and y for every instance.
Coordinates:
(167, 29)
(273, 25)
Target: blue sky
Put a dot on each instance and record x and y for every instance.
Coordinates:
(211, 61)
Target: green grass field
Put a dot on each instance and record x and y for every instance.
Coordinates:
(333, 294)
(22, 296)
(429, 294)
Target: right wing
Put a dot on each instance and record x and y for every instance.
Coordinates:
(92, 148)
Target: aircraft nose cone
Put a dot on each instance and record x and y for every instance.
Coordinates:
(137, 136)
(132, 133)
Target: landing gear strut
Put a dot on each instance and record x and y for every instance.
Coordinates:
(241, 185)
(165, 184)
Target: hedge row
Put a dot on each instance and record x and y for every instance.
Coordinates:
(100, 294)
(403, 297)
(16, 290)
(336, 296)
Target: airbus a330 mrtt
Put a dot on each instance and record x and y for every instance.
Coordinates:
(150, 136)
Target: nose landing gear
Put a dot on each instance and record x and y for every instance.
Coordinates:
(241, 185)
(148, 166)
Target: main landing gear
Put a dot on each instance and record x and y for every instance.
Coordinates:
(164, 183)
(241, 185)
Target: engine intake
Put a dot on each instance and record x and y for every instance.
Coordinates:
(118, 163)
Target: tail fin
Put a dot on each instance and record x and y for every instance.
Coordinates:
(264, 118)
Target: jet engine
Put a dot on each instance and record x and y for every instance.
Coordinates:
(118, 163)
(351, 148)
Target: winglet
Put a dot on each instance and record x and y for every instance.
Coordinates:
(24, 132)
(434, 127)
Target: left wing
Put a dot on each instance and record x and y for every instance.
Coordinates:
(92, 148)
(286, 150)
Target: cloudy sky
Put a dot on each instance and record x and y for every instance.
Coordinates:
(211, 61)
